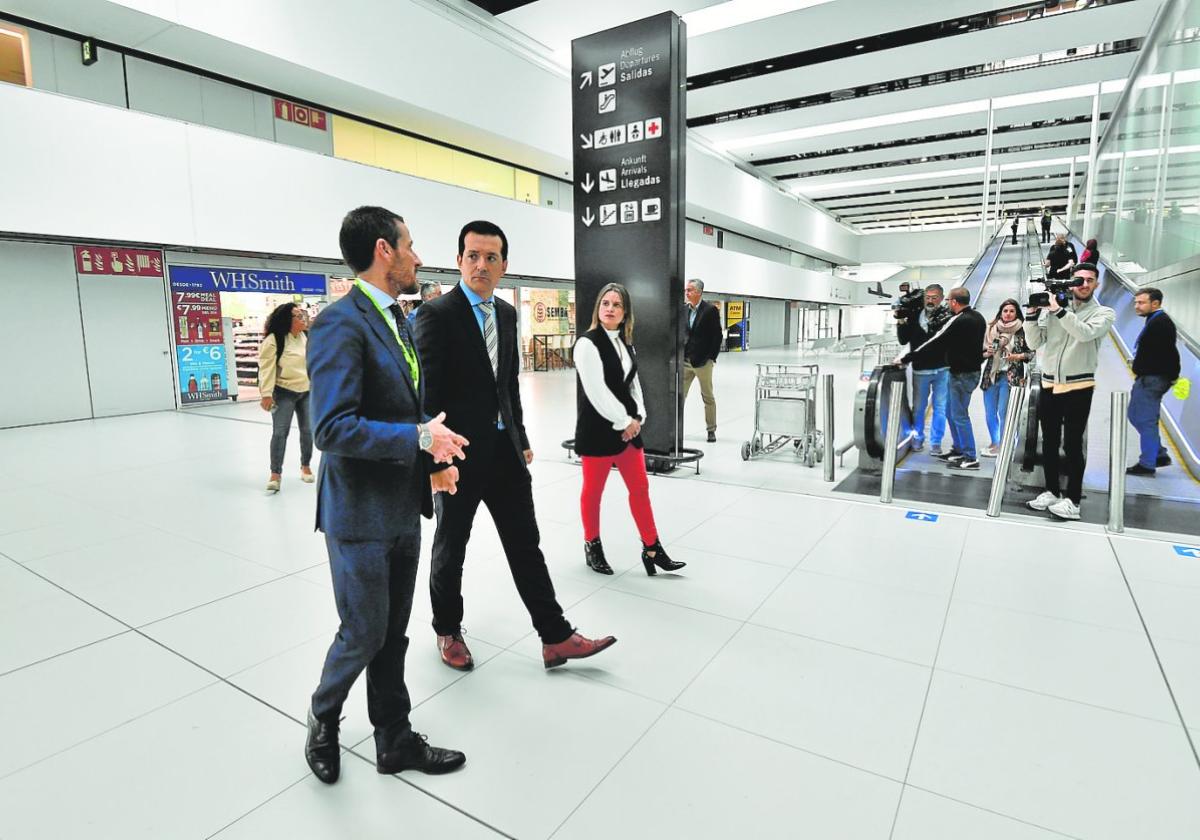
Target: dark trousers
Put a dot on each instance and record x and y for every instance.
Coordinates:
(288, 403)
(1063, 419)
(505, 487)
(373, 585)
(1045, 233)
(1014, 232)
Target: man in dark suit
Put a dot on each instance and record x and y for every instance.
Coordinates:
(702, 344)
(468, 340)
(372, 488)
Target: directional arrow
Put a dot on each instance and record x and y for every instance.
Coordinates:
(1187, 551)
(585, 79)
(587, 183)
(585, 141)
(921, 516)
(587, 218)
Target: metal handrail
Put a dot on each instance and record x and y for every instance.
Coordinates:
(827, 466)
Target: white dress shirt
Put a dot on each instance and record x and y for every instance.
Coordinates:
(591, 375)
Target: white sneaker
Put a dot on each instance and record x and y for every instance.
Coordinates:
(1042, 502)
(273, 485)
(990, 451)
(1064, 509)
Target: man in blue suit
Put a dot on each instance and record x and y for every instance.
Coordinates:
(372, 488)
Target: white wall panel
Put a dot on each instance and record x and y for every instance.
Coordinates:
(725, 196)
(767, 323)
(956, 243)
(730, 273)
(44, 378)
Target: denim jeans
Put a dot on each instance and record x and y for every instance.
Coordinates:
(927, 383)
(962, 385)
(288, 403)
(1145, 402)
(995, 408)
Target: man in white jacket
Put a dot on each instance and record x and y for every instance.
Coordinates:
(1068, 339)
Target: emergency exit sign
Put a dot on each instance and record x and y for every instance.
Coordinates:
(300, 114)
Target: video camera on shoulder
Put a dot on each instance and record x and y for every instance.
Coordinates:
(1059, 288)
(909, 304)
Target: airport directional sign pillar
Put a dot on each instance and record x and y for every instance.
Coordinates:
(630, 147)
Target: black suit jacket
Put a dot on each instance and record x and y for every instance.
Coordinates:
(458, 378)
(703, 341)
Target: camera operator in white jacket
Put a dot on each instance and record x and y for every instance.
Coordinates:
(1068, 340)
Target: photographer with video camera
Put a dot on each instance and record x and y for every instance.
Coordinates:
(1067, 325)
(961, 339)
(919, 315)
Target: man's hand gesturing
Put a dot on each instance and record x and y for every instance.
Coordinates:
(447, 444)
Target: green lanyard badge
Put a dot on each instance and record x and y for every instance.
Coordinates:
(410, 355)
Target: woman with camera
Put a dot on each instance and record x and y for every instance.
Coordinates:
(1005, 353)
(609, 425)
(283, 386)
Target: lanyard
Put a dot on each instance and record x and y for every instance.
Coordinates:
(410, 356)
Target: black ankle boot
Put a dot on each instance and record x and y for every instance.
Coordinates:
(593, 553)
(660, 559)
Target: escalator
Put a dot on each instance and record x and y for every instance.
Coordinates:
(1168, 503)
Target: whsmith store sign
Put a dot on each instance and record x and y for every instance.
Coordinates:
(191, 278)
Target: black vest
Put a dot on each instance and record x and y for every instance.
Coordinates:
(594, 433)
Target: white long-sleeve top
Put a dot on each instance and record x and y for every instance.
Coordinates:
(591, 375)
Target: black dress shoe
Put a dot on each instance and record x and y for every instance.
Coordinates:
(1138, 469)
(712, 437)
(416, 754)
(321, 750)
(1163, 461)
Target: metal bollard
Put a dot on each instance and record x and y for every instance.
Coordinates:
(828, 441)
(1012, 424)
(1118, 433)
(892, 440)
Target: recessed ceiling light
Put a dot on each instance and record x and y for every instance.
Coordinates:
(858, 47)
(963, 25)
(770, 67)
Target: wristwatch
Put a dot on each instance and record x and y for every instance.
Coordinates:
(424, 437)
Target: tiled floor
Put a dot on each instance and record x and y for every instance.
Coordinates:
(823, 668)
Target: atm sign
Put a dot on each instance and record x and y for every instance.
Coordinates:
(300, 114)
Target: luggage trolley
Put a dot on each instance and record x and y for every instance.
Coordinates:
(785, 409)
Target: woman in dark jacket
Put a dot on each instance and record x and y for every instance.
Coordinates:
(1005, 353)
(609, 425)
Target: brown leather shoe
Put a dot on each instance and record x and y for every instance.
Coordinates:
(455, 652)
(576, 647)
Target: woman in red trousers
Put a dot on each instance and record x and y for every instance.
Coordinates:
(608, 427)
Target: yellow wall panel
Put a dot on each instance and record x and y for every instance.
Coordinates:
(483, 175)
(396, 152)
(527, 187)
(353, 140)
(433, 162)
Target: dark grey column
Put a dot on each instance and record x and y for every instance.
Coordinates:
(629, 137)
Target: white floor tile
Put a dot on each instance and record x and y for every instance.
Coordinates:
(1115, 669)
(924, 816)
(907, 563)
(1170, 611)
(26, 509)
(854, 707)
(241, 630)
(1083, 771)
(893, 622)
(187, 769)
(1179, 663)
(715, 583)
(151, 575)
(363, 805)
(83, 530)
(661, 648)
(691, 777)
(782, 544)
(530, 737)
(66, 700)
(1057, 584)
(39, 620)
(1157, 561)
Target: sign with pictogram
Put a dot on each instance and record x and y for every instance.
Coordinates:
(628, 88)
(128, 262)
(300, 114)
